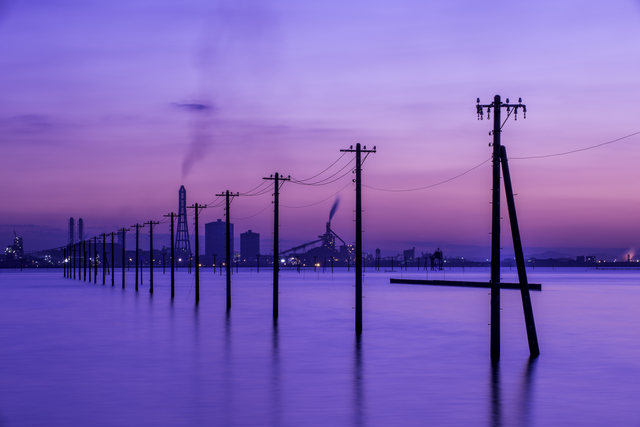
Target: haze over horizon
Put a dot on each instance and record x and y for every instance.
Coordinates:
(109, 108)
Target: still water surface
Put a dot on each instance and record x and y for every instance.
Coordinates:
(80, 354)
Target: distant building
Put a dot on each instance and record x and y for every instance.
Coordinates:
(591, 258)
(14, 251)
(249, 246)
(215, 240)
(580, 259)
(410, 254)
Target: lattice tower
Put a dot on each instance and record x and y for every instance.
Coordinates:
(183, 244)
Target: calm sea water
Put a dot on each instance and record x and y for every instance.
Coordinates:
(80, 354)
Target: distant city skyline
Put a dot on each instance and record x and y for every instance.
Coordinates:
(109, 108)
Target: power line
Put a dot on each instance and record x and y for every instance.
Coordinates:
(319, 183)
(326, 169)
(317, 203)
(428, 186)
(249, 193)
(256, 214)
(577, 150)
(326, 181)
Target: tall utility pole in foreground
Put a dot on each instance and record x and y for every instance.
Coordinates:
(173, 276)
(276, 248)
(137, 227)
(197, 208)
(151, 224)
(358, 182)
(95, 259)
(124, 231)
(500, 154)
(104, 257)
(228, 196)
(113, 260)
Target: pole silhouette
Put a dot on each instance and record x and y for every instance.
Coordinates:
(104, 258)
(532, 336)
(73, 263)
(84, 259)
(173, 277)
(137, 227)
(113, 282)
(276, 250)
(358, 254)
(95, 259)
(228, 197)
(124, 231)
(197, 208)
(497, 106)
(151, 224)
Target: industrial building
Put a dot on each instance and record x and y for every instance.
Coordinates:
(215, 240)
(249, 246)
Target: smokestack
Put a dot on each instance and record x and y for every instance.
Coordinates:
(80, 230)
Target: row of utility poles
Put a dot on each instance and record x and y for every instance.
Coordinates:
(499, 163)
(278, 180)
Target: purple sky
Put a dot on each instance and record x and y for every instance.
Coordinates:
(94, 121)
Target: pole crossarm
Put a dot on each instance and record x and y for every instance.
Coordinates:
(363, 150)
(498, 104)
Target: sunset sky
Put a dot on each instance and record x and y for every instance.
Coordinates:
(108, 107)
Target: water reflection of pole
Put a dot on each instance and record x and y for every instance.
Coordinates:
(275, 377)
(496, 399)
(228, 395)
(358, 392)
(527, 385)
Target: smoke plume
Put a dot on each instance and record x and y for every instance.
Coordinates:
(235, 49)
(334, 208)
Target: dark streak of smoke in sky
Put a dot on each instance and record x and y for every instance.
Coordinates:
(334, 208)
(236, 36)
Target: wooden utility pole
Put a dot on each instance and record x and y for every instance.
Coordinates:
(532, 336)
(137, 227)
(276, 249)
(173, 276)
(84, 259)
(113, 260)
(197, 209)
(104, 257)
(151, 224)
(358, 182)
(124, 232)
(228, 196)
(497, 106)
(95, 259)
